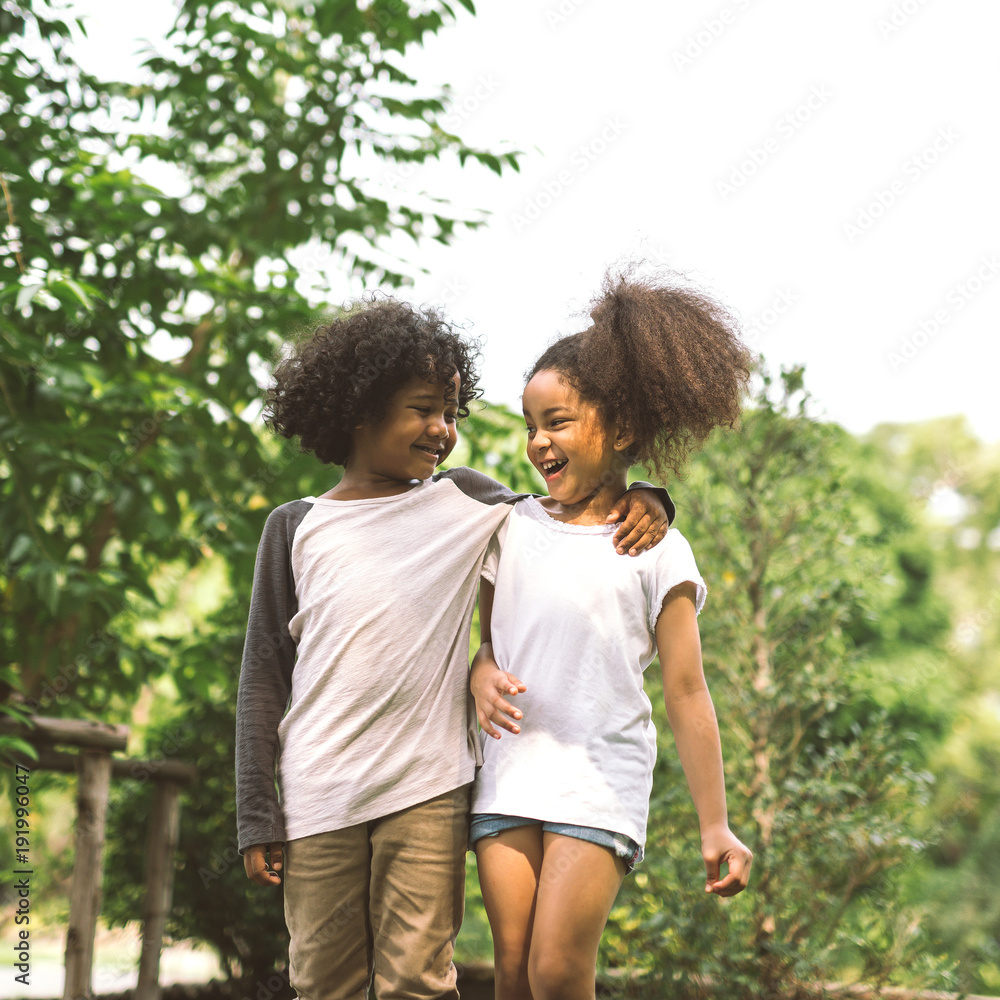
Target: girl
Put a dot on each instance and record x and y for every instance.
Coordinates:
(559, 807)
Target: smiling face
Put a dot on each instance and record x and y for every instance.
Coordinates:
(578, 455)
(417, 432)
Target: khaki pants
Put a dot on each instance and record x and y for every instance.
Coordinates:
(385, 896)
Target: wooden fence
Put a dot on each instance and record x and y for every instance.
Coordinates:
(91, 760)
(95, 766)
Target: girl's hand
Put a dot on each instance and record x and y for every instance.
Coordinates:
(646, 524)
(256, 866)
(720, 847)
(490, 687)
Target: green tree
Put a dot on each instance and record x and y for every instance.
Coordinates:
(137, 317)
(824, 787)
(160, 241)
(954, 478)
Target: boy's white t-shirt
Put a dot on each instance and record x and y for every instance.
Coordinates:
(575, 621)
(380, 712)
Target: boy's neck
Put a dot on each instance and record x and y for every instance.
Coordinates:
(364, 485)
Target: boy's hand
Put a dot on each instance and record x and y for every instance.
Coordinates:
(256, 866)
(490, 687)
(720, 847)
(646, 524)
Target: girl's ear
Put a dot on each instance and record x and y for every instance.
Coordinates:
(624, 438)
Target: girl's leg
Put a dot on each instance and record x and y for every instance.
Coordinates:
(577, 888)
(509, 867)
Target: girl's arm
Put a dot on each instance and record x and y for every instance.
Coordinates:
(696, 733)
(487, 681)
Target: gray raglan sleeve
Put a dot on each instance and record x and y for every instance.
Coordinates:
(662, 494)
(480, 487)
(266, 680)
(487, 490)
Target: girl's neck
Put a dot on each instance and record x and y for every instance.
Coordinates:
(592, 509)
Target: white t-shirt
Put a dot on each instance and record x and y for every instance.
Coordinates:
(575, 621)
(379, 713)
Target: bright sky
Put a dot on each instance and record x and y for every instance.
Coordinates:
(829, 170)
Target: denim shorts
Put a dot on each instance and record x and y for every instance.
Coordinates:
(490, 824)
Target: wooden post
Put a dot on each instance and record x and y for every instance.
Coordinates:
(85, 895)
(161, 842)
(69, 732)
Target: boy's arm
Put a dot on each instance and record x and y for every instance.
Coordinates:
(660, 492)
(266, 681)
(487, 490)
(646, 512)
(646, 516)
(480, 487)
(696, 734)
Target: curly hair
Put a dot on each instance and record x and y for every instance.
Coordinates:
(661, 358)
(346, 372)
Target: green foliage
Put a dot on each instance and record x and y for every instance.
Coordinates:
(138, 314)
(137, 318)
(955, 883)
(823, 786)
(955, 480)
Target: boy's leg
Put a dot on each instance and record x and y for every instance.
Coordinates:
(326, 910)
(418, 897)
(510, 866)
(576, 890)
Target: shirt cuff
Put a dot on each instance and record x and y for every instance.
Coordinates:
(662, 494)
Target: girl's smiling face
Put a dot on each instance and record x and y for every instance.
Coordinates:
(569, 443)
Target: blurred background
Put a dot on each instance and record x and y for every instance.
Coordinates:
(187, 185)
